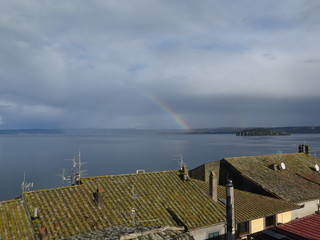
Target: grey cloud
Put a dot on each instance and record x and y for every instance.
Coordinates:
(91, 64)
(312, 60)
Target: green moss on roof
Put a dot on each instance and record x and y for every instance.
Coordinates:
(162, 198)
(297, 183)
(249, 206)
(14, 221)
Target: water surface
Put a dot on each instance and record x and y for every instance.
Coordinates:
(42, 157)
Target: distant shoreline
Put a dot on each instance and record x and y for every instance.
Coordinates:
(98, 131)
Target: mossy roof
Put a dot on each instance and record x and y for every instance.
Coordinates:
(298, 182)
(162, 198)
(14, 221)
(134, 233)
(159, 198)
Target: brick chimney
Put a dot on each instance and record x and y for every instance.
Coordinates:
(184, 173)
(98, 197)
(213, 186)
(230, 211)
(43, 233)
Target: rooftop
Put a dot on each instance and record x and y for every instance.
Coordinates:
(144, 199)
(305, 228)
(127, 233)
(14, 221)
(299, 181)
(158, 198)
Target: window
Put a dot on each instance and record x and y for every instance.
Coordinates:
(270, 221)
(213, 236)
(243, 228)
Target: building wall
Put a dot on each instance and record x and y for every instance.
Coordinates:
(309, 207)
(284, 217)
(256, 225)
(198, 173)
(203, 172)
(202, 233)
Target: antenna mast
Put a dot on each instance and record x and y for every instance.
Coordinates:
(133, 209)
(76, 171)
(24, 185)
(181, 162)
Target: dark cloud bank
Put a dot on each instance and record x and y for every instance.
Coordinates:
(213, 64)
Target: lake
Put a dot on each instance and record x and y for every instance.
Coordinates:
(42, 157)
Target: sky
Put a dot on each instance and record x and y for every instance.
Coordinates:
(159, 64)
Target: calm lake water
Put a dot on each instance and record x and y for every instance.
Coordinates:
(42, 157)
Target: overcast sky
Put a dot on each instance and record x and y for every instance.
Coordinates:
(159, 64)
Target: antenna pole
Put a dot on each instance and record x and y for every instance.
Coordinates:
(181, 162)
(133, 209)
(24, 185)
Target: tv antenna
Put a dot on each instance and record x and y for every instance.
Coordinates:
(134, 196)
(76, 171)
(180, 161)
(134, 221)
(64, 179)
(26, 186)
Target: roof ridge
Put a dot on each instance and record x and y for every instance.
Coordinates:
(129, 174)
(265, 155)
(11, 200)
(91, 177)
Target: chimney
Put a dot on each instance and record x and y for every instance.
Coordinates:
(77, 179)
(35, 214)
(230, 211)
(307, 150)
(43, 233)
(303, 148)
(98, 197)
(185, 173)
(213, 186)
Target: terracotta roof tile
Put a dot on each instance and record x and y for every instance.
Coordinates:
(308, 227)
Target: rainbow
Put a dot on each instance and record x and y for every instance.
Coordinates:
(176, 117)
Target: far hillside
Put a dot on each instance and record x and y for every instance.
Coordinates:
(261, 132)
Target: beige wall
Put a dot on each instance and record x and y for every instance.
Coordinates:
(284, 217)
(202, 233)
(259, 224)
(256, 225)
(309, 207)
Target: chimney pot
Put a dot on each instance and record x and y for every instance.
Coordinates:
(43, 233)
(98, 197)
(230, 211)
(185, 173)
(213, 186)
(35, 213)
(303, 148)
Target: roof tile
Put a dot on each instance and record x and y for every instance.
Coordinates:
(297, 183)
